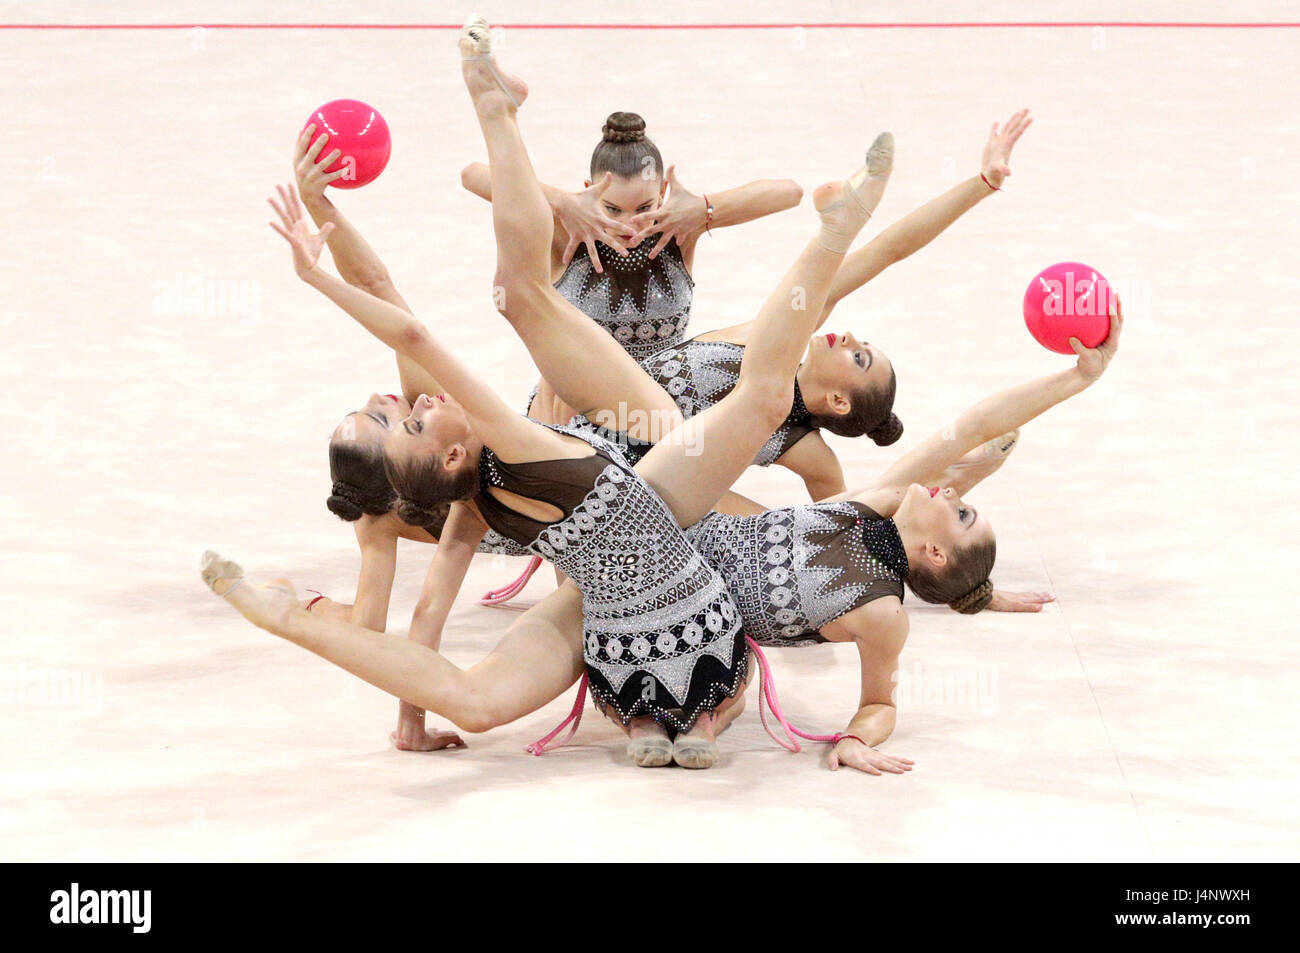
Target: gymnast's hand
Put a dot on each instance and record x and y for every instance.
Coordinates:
(582, 216)
(308, 170)
(854, 754)
(416, 738)
(1094, 360)
(997, 151)
(682, 214)
(1018, 601)
(412, 736)
(297, 232)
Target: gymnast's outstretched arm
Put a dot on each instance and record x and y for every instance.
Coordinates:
(1003, 412)
(359, 265)
(917, 229)
(493, 421)
(357, 262)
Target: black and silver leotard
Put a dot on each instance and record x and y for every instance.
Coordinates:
(645, 303)
(697, 374)
(661, 634)
(497, 545)
(793, 570)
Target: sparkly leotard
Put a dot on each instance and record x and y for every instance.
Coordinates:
(697, 374)
(496, 544)
(645, 303)
(661, 635)
(793, 570)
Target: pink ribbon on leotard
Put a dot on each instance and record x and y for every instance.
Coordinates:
(767, 692)
(496, 597)
(540, 746)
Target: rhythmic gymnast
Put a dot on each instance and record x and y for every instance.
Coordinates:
(661, 634)
(635, 232)
(361, 492)
(852, 378)
(847, 388)
(697, 373)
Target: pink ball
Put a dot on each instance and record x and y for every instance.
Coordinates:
(1068, 300)
(360, 133)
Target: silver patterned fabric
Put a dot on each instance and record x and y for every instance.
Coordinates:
(661, 635)
(645, 303)
(496, 544)
(793, 570)
(698, 374)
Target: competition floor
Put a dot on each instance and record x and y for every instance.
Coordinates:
(171, 386)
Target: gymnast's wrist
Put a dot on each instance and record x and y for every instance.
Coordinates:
(557, 198)
(1078, 380)
(315, 203)
(410, 714)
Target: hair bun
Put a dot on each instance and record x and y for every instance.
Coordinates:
(887, 432)
(623, 127)
(345, 502)
(416, 514)
(975, 600)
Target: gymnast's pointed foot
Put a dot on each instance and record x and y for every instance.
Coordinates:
(846, 206)
(268, 607)
(483, 77)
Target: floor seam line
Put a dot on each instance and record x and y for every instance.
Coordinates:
(1069, 632)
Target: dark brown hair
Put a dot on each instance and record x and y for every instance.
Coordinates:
(426, 489)
(360, 485)
(871, 412)
(963, 583)
(624, 149)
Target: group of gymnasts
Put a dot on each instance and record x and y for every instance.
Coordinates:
(619, 474)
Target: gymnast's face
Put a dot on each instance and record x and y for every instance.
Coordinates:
(371, 425)
(631, 195)
(843, 366)
(942, 521)
(436, 426)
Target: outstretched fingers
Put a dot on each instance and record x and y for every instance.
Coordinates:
(1016, 126)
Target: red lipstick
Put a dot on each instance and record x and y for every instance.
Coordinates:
(832, 339)
(934, 491)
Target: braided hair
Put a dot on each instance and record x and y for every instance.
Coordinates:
(963, 583)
